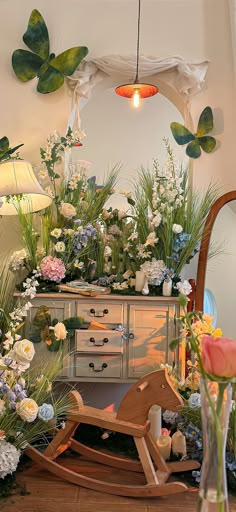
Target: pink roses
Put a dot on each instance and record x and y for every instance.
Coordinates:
(219, 356)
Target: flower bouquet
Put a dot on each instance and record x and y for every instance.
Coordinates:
(217, 369)
(29, 409)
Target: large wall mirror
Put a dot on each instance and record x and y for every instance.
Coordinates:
(216, 277)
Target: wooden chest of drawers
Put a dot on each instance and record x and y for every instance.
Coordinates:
(135, 340)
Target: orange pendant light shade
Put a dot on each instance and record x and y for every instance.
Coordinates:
(137, 90)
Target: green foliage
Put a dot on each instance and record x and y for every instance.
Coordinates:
(197, 141)
(5, 150)
(49, 69)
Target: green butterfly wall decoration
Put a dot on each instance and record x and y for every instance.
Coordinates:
(199, 140)
(49, 69)
(5, 150)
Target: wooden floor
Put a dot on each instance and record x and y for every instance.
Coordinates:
(49, 494)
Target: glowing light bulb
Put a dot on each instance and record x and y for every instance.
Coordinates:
(136, 100)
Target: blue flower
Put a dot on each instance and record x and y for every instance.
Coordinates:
(46, 412)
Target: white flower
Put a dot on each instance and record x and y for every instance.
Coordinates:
(67, 210)
(184, 287)
(43, 174)
(72, 185)
(151, 239)
(60, 247)
(60, 331)
(154, 270)
(9, 340)
(170, 417)
(79, 264)
(156, 220)
(56, 233)
(27, 409)
(23, 353)
(194, 400)
(107, 251)
(9, 458)
(17, 260)
(177, 228)
(2, 407)
(68, 232)
(133, 237)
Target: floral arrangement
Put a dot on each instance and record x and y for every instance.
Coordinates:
(215, 364)
(27, 401)
(66, 242)
(79, 237)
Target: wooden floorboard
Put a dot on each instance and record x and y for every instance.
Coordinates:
(50, 494)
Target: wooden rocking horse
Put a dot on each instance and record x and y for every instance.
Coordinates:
(131, 419)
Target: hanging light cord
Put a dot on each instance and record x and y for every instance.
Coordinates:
(138, 38)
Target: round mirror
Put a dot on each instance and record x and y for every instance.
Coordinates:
(216, 277)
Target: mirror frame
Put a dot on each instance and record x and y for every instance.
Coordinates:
(204, 248)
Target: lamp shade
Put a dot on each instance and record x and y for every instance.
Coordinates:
(144, 90)
(19, 189)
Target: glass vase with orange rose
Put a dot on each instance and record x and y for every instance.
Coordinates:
(216, 363)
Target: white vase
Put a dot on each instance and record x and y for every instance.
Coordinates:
(145, 290)
(139, 281)
(167, 288)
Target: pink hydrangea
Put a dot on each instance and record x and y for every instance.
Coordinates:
(52, 269)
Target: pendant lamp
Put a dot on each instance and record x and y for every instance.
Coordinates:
(20, 190)
(137, 90)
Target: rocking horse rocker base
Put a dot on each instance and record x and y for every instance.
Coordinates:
(131, 419)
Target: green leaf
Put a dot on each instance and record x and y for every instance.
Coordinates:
(193, 149)
(207, 143)
(50, 81)
(205, 123)
(181, 134)
(174, 343)
(26, 64)
(4, 145)
(36, 37)
(68, 61)
(12, 150)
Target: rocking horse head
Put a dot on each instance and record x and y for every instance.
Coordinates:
(153, 388)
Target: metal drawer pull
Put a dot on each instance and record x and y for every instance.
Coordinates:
(98, 343)
(103, 313)
(131, 336)
(104, 365)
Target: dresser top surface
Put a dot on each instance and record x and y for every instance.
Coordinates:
(107, 297)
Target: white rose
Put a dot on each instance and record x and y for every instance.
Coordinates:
(60, 247)
(60, 331)
(22, 352)
(27, 409)
(56, 232)
(177, 228)
(67, 210)
(184, 287)
(2, 407)
(194, 400)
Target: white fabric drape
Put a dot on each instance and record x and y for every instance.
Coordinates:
(185, 77)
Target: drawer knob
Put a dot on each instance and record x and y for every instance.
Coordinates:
(99, 315)
(98, 369)
(98, 343)
(131, 335)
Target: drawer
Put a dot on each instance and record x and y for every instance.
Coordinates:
(98, 366)
(98, 341)
(102, 312)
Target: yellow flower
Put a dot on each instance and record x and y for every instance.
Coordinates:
(217, 333)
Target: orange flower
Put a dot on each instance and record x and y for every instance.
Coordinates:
(48, 342)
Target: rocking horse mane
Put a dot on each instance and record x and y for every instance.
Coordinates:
(153, 388)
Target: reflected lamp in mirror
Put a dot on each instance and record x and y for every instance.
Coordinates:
(136, 91)
(20, 190)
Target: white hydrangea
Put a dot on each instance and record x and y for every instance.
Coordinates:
(154, 270)
(17, 260)
(184, 287)
(170, 417)
(9, 458)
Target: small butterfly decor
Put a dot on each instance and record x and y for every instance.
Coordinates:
(199, 140)
(5, 150)
(39, 62)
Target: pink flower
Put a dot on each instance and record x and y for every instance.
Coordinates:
(165, 432)
(219, 356)
(52, 269)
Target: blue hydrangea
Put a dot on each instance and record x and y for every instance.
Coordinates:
(46, 412)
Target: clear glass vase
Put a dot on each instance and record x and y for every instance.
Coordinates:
(215, 402)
